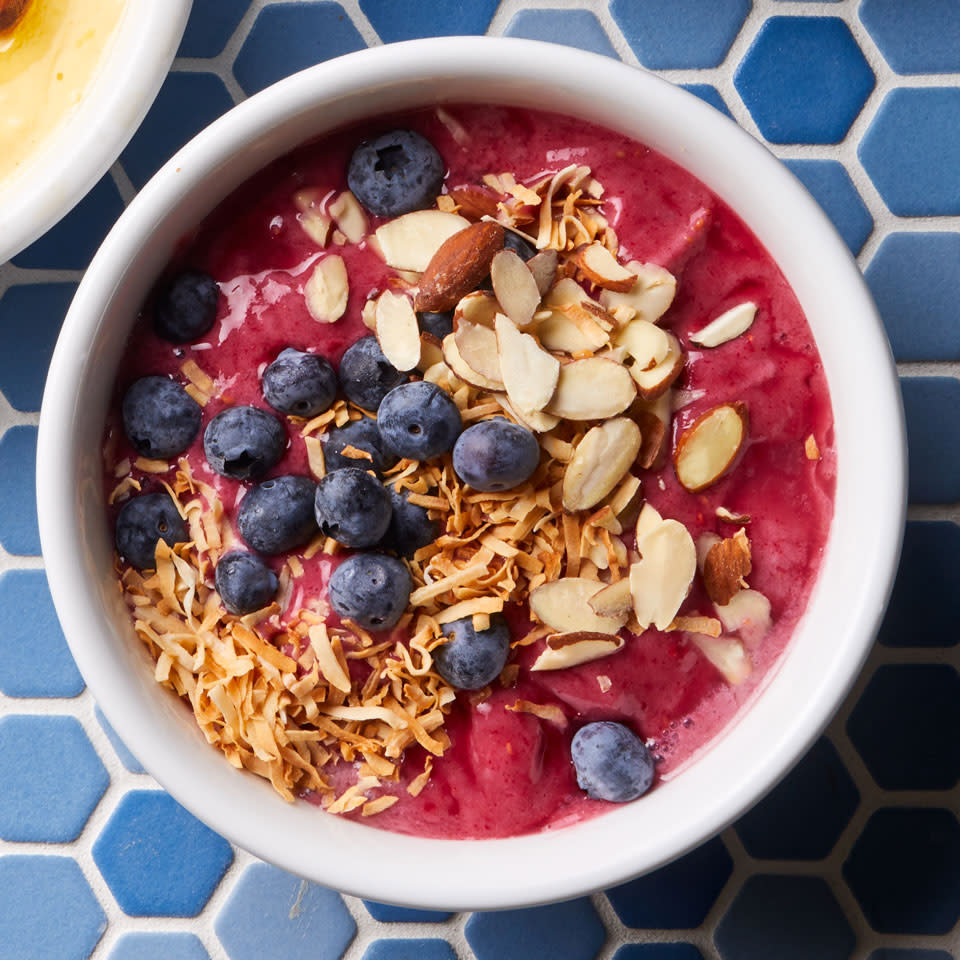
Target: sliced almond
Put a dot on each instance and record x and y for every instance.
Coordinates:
(729, 325)
(368, 314)
(725, 566)
(529, 373)
(727, 654)
(655, 382)
(564, 650)
(649, 297)
(645, 342)
(410, 241)
(475, 202)
(397, 330)
(535, 420)
(708, 448)
(478, 350)
(431, 352)
(452, 358)
(613, 600)
(543, 266)
(705, 543)
(459, 266)
(561, 333)
(349, 216)
(648, 520)
(313, 221)
(600, 266)
(660, 580)
(601, 460)
(627, 500)
(747, 613)
(592, 389)
(515, 288)
(728, 516)
(653, 417)
(327, 289)
(479, 307)
(563, 605)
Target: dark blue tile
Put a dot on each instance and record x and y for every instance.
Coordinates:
(678, 895)
(911, 151)
(575, 28)
(35, 660)
(709, 94)
(913, 279)
(910, 955)
(804, 79)
(210, 26)
(157, 858)
(409, 950)
(19, 533)
(680, 34)
(926, 595)
(126, 757)
(658, 951)
(71, 244)
(30, 319)
(903, 870)
(287, 37)
(933, 438)
(158, 946)
(905, 726)
(387, 914)
(918, 37)
(561, 931)
(48, 910)
(271, 913)
(831, 186)
(50, 779)
(802, 817)
(186, 103)
(407, 19)
(790, 918)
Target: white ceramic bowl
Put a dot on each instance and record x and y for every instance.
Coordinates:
(82, 148)
(829, 645)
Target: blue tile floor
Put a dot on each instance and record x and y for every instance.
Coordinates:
(854, 856)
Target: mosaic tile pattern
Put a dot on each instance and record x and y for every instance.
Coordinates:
(855, 855)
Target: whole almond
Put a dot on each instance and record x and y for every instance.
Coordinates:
(459, 266)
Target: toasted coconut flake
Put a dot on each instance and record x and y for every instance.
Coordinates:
(419, 782)
(728, 516)
(146, 465)
(810, 448)
(708, 626)
(550, 712)
(198, 377)
(373, 807)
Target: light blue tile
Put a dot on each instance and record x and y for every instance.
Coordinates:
(271, 913)
(407, 19)
(680, 34)
(30, 319)
(933, 438)
(709, 94)
(126, 757)
(409, 950)
(287, 37)
(903, 870)
(922, 36)
(157, 858)
(831, 186)
(911, 151)
(35, 660)
(560, 931)
(158, 946)
(575, 28)
(210, 26)
(804, 79)
(913, 278)
(19, 533)
(790, 918)
(50, 779)
(385, 913)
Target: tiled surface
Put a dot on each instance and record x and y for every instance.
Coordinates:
(857, 853)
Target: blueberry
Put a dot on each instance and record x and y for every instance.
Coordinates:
(243, 443)
(524, 249)
(186, 309)
(471, 659)
(143, 522)
(611, 761)
(277, 515)
(245, 583)
(299, 384)
(439, 324)
(371, 589)
(366, 375)
(395, 173)
(419, 420)
(353, 507)
(362, 434)
(410, 526)
(495, 455)
(160, 418)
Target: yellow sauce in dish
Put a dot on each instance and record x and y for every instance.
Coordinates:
(47, 61)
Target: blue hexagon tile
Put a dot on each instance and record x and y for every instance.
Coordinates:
(388, 914)
(407, 19)
(210, 26)
(915, 37)
(933, 439)
(576, 28)
(412, 949)
(19, 533)
(158, 946)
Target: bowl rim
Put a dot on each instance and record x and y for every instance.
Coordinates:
(82, 148)
(558, 864)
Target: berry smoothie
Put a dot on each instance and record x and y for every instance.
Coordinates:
(491, 760)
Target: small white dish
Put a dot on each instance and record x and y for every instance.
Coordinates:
(822, 659)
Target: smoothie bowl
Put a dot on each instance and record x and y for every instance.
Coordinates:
(490, 484)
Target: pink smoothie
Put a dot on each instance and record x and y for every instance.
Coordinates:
(510, 773)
